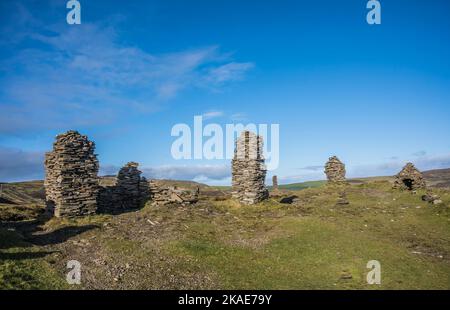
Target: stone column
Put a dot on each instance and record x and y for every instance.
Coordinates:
(248, 170)
(71, 181)
(335, 170)
(275, 183)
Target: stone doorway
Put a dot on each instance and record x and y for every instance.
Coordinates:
(408, 183)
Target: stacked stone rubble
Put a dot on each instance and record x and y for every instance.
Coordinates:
(409, 178)
(335, 170)
(163, 195)
(248, 170)
(130, 191)
(71, 181)
(128, 186)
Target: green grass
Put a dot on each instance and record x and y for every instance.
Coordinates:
(303, 185)
(313, 244)
(314, 251)
(23, 266)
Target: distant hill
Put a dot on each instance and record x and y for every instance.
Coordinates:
(438, 177)
(320, 238)
(32, 192)
(434, 178)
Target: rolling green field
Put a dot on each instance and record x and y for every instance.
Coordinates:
(313, 243)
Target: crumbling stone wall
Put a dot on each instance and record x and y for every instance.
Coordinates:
(164, 195)
(409, 178)
(129, 191)
(71, 181)
(248, 170)
(335, 170)
(128, 186)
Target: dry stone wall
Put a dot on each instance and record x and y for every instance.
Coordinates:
(249, 170)
(71, 181)
(129, 191)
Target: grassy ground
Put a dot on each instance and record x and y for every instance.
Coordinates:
(217, 244)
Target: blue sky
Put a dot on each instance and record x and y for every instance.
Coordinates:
(376, 96)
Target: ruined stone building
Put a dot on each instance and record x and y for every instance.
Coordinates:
(71, 181)
(335, 170)
(248, 170)
(129, 186)
(128, 191)
(409, 178)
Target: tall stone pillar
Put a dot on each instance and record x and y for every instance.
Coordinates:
(335, 170)
(249, 170)
(71, 175)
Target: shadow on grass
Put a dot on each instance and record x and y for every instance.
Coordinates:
(29, 233)
(24, 255)
(59, 235)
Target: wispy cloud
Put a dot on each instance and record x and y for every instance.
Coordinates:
(312, 168)
(232, 71)
(20, 165)
(205, 173)
(425, 162)
(388, 168)
(212, 114)
(74, 76)
(208, 172)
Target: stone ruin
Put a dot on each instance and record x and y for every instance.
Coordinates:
(129, 191)
(248, 170)
(335, 170)
(275, 183)
(129, 185)
(410, 178)
(164, 195)
(73, 188)
(71, 182)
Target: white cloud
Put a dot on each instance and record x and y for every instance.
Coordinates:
(204, 173)
(209, 172)
(313, 168)
(229, 72)
(212, 114)
(425, 162)
(86, 75)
